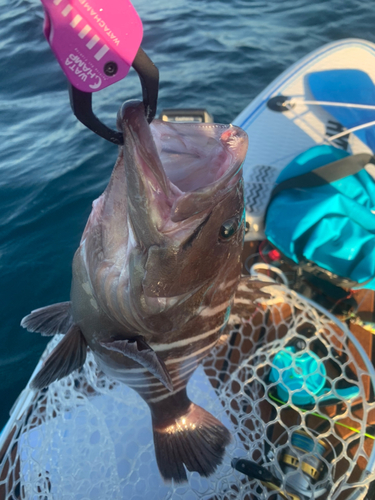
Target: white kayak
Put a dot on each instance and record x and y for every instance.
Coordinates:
(317, 111)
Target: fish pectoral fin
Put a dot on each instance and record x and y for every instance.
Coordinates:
(68, 355)
(250, 294)
(138, 350)
(49, 320)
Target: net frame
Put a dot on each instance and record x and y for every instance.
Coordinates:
(241, 360)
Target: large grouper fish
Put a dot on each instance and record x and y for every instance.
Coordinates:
(155, 276)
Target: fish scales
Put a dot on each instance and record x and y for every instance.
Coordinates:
(155, 277)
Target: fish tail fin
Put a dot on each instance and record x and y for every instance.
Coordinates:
(49, 320)
(197, 439)
(68, 355)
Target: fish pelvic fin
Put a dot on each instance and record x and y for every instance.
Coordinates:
(138, 350)
(68, 355)
(49, 320)
(196, 439)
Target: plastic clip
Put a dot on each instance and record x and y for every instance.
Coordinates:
(95, 44)
(81, 102)
(254, 470)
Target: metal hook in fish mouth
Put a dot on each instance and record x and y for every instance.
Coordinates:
(81, 102)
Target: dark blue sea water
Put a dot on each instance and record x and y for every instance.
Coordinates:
(217, 54)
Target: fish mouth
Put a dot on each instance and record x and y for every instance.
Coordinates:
(176, 171)
(204, 153)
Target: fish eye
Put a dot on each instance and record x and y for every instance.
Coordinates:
(229, 228)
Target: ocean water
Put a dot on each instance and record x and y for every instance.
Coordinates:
(217, 54)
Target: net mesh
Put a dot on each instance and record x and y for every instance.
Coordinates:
(89, 437)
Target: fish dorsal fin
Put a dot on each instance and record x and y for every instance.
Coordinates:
(68, 355)
(138, 350)
(49, 320)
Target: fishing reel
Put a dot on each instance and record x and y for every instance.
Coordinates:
(297, 471)
(304, 380)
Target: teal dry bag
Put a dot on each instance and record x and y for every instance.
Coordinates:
(322, 211)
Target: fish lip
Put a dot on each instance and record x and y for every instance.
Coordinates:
(132, 105)
(137, 135)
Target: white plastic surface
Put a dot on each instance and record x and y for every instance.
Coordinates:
(276, 138)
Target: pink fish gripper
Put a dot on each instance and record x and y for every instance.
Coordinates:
(96, 42)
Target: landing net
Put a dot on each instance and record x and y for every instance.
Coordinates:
(291, 383)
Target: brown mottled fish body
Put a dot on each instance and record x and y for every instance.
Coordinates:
(155, 276)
